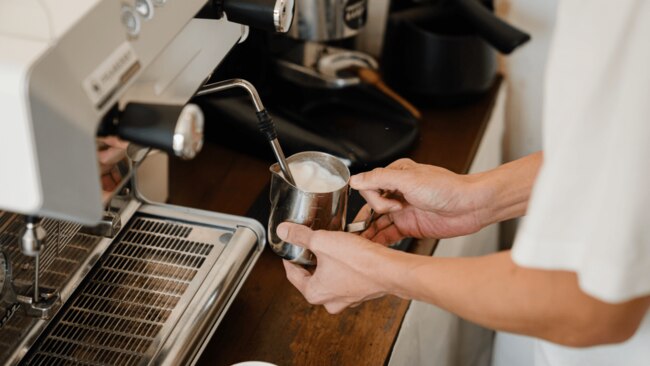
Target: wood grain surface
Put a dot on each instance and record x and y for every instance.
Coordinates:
(269, 320)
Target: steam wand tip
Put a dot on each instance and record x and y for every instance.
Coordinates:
(268, 128)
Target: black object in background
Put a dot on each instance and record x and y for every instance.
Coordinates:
(480, 15)
(429, 53)
(444, 52)
(501, 35)
(357, 124)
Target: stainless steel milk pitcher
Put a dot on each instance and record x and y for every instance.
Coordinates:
(319, 211)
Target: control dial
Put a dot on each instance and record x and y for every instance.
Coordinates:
(131, 20)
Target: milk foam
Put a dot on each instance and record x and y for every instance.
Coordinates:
(313, 177)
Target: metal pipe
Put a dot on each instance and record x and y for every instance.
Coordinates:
(37, 290)
(262, 116)
(279, 156)
(231, 84)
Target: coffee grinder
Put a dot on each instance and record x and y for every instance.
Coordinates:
(310, 54)
(318, 52)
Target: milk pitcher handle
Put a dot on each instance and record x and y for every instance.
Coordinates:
(359, 226)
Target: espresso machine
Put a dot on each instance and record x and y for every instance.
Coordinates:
(324, 93)
(93, 278)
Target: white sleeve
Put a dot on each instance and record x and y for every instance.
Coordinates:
(590, 208)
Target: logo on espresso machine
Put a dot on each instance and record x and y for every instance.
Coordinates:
(355, 13)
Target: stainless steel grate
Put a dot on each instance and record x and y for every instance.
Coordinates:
(4, 217)
(59, 235)
(57, 273)
(61, 256)
(118, 315)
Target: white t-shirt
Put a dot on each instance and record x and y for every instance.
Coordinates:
(590, 208)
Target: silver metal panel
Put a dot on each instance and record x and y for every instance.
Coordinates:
(155, 297)
(61, 116)
(117, 316)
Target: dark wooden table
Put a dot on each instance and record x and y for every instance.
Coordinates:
(270, 320)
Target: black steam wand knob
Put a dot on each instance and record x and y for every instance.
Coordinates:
(176, 129)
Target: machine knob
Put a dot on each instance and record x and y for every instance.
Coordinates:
(144, 8)
(175, 129)
(188, 135)
(269, 15)
(131, 20)
(32, 237)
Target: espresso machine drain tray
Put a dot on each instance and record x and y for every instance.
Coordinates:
(156, 294)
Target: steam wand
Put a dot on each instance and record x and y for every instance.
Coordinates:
(265, 122)
(43, 302)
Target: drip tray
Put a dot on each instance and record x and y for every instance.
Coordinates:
(157, 293)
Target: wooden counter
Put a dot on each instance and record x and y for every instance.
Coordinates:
(270, 320)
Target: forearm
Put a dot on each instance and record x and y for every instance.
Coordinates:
(506, 189)
(492, 291)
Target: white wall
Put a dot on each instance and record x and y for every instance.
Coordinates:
(524, 71)
(525, 76)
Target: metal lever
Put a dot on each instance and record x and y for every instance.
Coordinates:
(265, 121)
(359, 226)
(32, 239)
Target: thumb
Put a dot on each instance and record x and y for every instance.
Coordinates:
(295, 234)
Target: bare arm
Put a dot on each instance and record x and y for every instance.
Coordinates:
(507, 188)
(496, 293)
(490, 290)
(432, 202)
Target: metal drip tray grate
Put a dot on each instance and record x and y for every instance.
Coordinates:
(124, 309)
(64, 248)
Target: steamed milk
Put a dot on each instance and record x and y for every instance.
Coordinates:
(312, 177)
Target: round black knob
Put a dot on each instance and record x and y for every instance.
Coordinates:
(269, 15)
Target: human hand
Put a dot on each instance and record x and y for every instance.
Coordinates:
(420, 201)
(349, 270)
(111, 150)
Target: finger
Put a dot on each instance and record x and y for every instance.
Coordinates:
(295, 234)
(116, 175)
(105, 196)
(109, 158)
(298, 276)
(380, 203)
(363, 213)
(335, 307)
(388, 236)
(114, 141)
(402, 164)
(381, 223)
(379, 179)
(108, 184)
